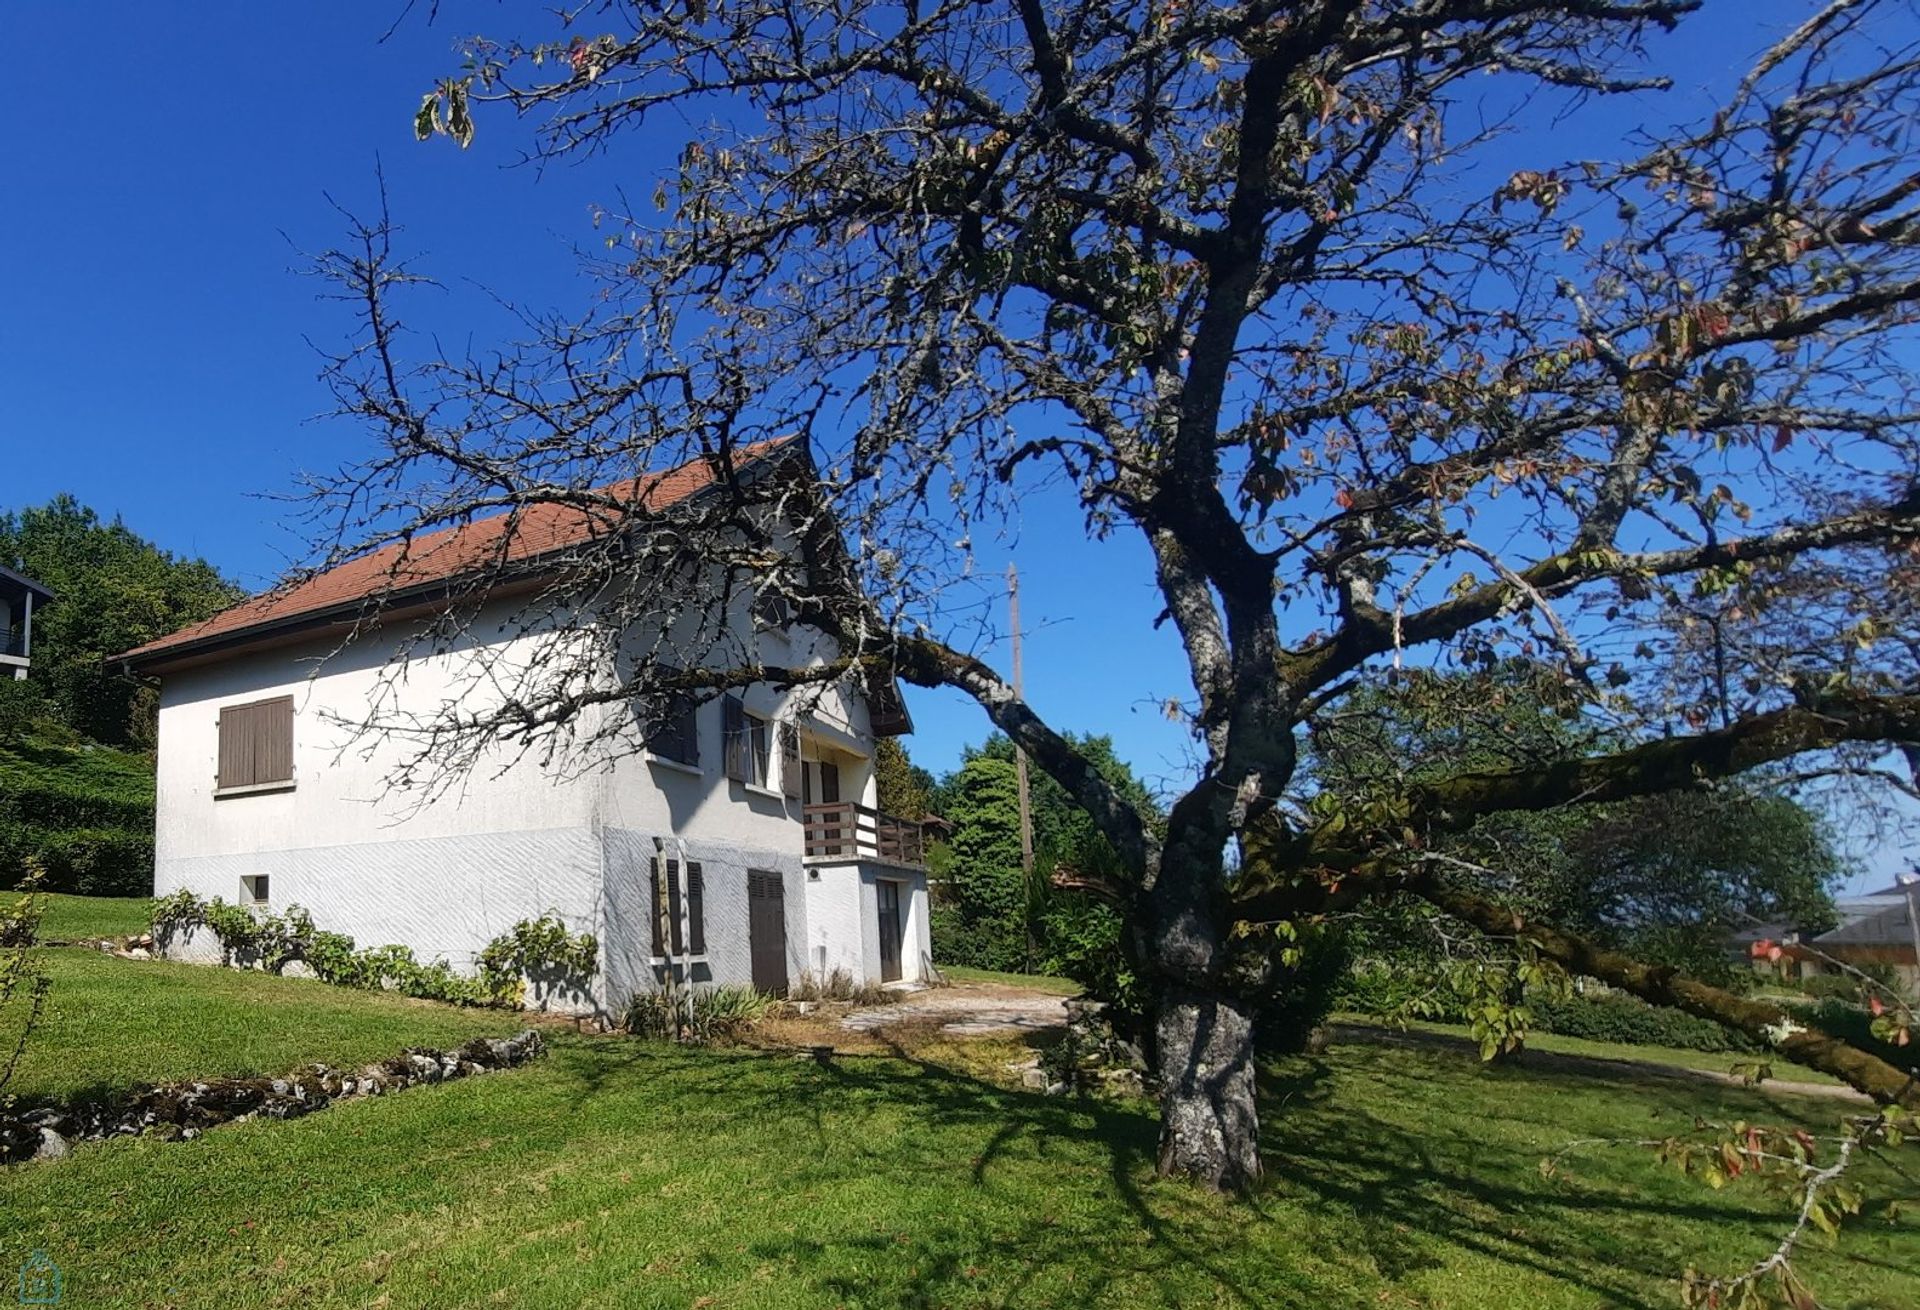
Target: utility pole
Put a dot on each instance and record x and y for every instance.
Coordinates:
(1020, 760)
(1911, 884)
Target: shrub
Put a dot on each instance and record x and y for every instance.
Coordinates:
(540, 947)
(1616, 1017)
(1304, 992)
(1852, 1024)
(1830, 986)
(698, 1014)
(838, 986)
(23, 976)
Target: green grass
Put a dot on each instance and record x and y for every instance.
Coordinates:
(72, 918)
(1723, 1062)
(1038, 982)
(622, 1173)
(111, 1023)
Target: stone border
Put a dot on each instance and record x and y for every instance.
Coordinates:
(182, 1111)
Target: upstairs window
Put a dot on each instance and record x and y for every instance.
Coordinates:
(771, 612)
(676, 736)
(688, 932)
(256, 744)
(746, 736)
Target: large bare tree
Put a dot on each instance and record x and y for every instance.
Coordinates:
(1303, 294)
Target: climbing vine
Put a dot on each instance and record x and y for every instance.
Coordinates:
(540, 948)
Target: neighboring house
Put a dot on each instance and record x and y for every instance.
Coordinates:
(760, 817)
(19, 597)
(1875, 929)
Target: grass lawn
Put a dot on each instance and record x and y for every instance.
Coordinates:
(622, 1173)
(71, 918)
(110, 1023)
(1038, 982)
(1784, 1070)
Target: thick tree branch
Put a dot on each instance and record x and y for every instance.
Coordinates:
(1769, 1024)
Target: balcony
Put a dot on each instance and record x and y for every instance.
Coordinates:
(843, 830)
(13, 644)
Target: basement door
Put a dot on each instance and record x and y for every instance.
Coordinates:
(767, 930)
(888, 895)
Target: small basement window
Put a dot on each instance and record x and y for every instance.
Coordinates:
(253, 889)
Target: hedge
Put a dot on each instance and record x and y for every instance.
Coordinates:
(84, 814)
(1630, 1021)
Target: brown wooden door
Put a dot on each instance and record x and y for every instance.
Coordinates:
(767, 930)
(890, 926)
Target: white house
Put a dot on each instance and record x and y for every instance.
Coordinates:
(18, 597)
(761, 816)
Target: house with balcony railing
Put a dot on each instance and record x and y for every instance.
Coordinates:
(19, 597)
(728, 839)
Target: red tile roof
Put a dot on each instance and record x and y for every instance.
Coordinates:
(440, 556)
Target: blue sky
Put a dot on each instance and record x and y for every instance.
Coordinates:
(166, 167)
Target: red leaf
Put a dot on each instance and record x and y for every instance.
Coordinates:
(1782, 438)
(1343, 498)
(1878, 1007)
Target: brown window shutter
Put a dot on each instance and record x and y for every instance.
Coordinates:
(256, 743)
(236, 746)
(736, 739)
(273, 740)
(696, 911)
(677, 736)
(790, 759)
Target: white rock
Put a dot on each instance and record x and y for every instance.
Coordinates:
(52, 1146)
(297, 969)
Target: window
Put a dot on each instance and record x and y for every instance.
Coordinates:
(676, 736)
(256, 744)
(771, 612)
(746, 736)
(253, 889)
(790, 773)
(694, 942)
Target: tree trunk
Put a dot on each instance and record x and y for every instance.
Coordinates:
(1209, 1125)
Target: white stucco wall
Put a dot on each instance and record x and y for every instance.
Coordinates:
(446, 871)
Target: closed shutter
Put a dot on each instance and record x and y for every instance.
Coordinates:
(696, 912)
(790, 760)
(692, 938)
(677, 736)
(256, 743)
(236, 746)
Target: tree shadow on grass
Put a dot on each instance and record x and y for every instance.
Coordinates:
(1379, 1171)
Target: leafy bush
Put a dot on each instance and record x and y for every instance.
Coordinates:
(1304, 992)
(83, 814)
(1615, 1017)
(23, 976)
(699, 1014)
(1852, 1024)
(1830, 986)
(1378, 988)
(839, 985)
(542, 948)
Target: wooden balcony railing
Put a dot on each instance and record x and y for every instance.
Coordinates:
(847, 831)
